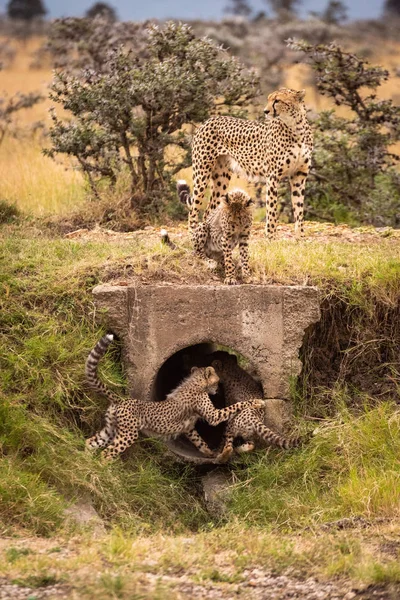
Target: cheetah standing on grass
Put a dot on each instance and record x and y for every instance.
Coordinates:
(268, 151)
(167, 419)
(222, 229)
(250, 423)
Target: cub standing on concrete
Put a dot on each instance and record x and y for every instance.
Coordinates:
(249, 423)
(222, 229)
(269, 151)
(167, 419)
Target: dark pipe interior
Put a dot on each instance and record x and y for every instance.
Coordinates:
(172, 372)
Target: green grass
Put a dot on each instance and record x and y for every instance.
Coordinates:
(47, 328)
(48, 324)
(350, 468)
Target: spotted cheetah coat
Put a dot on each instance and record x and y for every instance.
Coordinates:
(222, 229)
(168, 419)
(267, 151)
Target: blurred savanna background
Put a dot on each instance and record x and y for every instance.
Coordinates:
(258, 37)
(98, 106)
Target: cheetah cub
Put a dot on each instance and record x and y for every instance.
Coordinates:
(223, 228)
(250, 423)
(168, 419)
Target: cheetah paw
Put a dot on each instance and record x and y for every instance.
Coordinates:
(247, 447)
(225, 455)
(88, 445)
(230, 281)
(106, 458)
(259, 403)
(212, 265)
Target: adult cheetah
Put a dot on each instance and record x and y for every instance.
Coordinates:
(267, 151)
(176, 415)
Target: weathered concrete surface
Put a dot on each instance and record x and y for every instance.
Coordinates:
(266, 324)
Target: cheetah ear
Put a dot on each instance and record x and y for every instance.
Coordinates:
(227, 198)
(194, 369)
(300, 95)
(209, 372)
(249, 202)
(217, 364)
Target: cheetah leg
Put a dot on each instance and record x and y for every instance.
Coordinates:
(123, 439)
(297, 186)
(199, 238)
(230, 278)
(215, 416)
(103, 438)
(271, 206)
(227, 449)
(221, 177)
(200, 444)
(274, 439)
(244, 254)
(201, 177)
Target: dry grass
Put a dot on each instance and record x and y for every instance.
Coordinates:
(36, 184)
(160, 566)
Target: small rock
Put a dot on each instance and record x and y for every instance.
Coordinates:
(83, 514)
(216, 486)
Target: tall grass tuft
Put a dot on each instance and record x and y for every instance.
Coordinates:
(350, 468)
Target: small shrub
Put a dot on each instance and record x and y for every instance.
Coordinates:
(353, 164)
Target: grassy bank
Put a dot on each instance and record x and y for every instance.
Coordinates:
(49, 323)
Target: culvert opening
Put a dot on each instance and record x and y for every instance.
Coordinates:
(176, 368)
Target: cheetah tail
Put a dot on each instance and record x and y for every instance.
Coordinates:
(166, 240)
(277, 440)
(92, 362)
(184, 192)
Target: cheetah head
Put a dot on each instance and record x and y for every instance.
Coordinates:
(208, 377)
(238, 201)
(284, 103)
(223, 363)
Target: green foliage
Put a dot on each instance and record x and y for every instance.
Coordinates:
(48, 326)
(25, 10)
(353, 177)
(283, 8)
(102, 9)
(127, 113)
(392, 8)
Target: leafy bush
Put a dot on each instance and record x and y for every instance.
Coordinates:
(131, 109)
(353, 176)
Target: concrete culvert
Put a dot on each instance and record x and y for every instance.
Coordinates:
(176, 368)
(159, 323)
